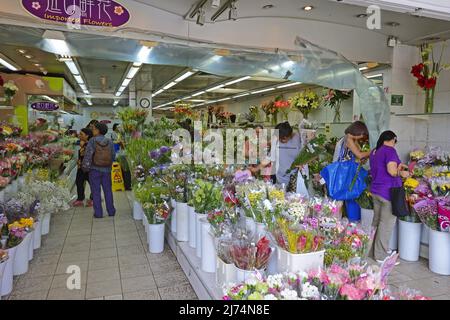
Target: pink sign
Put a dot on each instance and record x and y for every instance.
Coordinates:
(98, 13)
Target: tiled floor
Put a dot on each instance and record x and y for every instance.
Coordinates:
(113, 258)
(115, 263)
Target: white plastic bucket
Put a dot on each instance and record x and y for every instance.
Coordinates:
(7, 279)
(208, 248)
(225, 273)
(439, 252)
(182, 222)
(37, 235)
(156, 240)
(21, 259)
(409, 240)
(192, 227)
(243, 275)
(198, 236)
(173, 220)
(31, 246)
(289, 262)
(425, 238)
(45, 224)
(137, 211)
(393, 243)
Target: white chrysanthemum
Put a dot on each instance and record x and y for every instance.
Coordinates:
(309, 291)
(275, 281)
(270, 297)
(288, 294)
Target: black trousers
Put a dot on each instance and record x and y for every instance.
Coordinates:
(82, 178)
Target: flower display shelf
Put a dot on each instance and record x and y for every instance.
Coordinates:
(203, 283)
(423, 116)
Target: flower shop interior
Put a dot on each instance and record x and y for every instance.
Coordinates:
(191, 230)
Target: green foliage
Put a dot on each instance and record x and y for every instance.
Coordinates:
(206, 196)
(341, 253)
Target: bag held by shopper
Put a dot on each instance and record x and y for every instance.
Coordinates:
(102, 155)
(399, 204)
(345, 180)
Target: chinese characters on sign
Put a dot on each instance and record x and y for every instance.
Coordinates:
(100, 13)
(44, 106)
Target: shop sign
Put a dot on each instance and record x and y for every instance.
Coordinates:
(44, 106)
(98, 13)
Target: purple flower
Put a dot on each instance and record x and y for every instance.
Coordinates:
(164, 150)
(154, 154)
(152, 171)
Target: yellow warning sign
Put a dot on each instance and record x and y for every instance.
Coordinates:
(116, 178)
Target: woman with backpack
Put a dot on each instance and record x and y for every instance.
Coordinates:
(98, 162)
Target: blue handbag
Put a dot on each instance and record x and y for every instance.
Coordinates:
(339, 177)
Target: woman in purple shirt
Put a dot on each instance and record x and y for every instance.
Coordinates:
(387, 172)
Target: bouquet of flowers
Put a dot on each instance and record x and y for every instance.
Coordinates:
(283, 106)
(297, 208)
(10, 89)
(206, 196)
(216, 219)
(334, 98)
(183, 111)
(305, 102)
(248, 256)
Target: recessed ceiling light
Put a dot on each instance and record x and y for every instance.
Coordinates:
(22, 51)
(37, 65)
(393, 24)
(28, 56)
(307, 8)
(268, 6)
(361, 15)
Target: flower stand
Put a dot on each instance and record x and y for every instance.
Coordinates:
(192, 227)
(198, 238)
(225, 273)
(182, 222)
(208, 248)
(37, 235)
(7, 279)
(393, 243)
(289, 262)
(366, 218)
(439, 254)
(409, 240)
(31, 245)
(46, 223)
(21, 259)
(156, 238)
(137, 211)
(243, 275)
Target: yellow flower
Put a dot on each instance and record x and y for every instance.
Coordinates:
(411, 183)
(27, 222)
(276, 194)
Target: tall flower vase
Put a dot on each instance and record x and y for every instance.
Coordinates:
(337, 113)
(46, 224)
(409, 240)
(429, 100)
(439, 254)
(156, 238)
(31, 245)
(192, 227)
(2, 270)
(21, 259)
(37, 235)
(182, 222)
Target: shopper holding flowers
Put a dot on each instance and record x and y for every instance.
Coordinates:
(387, 172)
(98, 162)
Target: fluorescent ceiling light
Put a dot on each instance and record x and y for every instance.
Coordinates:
(157, 92)
(264, 90)
(83, 87)
(50, 99)
(78, 78)
(126, 82)
(144, 53)
(198, 93)
(63, 112)
(137, 64)
(72, 66)
(8, 63)
(58, 46)
(170, 85)
(289, 85)
(195, 100)
(363, 68)
(375, 76)
(116, 102)
(118, 93)
(215, 88)
(241, 95)
(132, 72)
(288, 64)
(237, 80)
(86, 92)
(216, 58)
(184, 76)
(224, 99)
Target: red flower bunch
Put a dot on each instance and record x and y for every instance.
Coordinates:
(282, 104)
(183, 110)
(426, 83)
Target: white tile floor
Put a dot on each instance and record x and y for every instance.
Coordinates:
(115, 263)
(112, 255)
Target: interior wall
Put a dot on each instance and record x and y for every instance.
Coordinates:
(412, 132)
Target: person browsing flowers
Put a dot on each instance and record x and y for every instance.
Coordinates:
(387, 172)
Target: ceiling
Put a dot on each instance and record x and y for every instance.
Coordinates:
(412, 29)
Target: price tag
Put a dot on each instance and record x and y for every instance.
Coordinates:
(322, 181)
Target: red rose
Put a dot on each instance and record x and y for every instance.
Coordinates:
(421, 81)
(430, 83)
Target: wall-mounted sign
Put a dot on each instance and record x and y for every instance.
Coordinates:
(98, 13)
(397, 100)
(44, 106)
